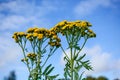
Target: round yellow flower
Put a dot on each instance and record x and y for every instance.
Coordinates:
(29, 36)
(62, 23)
(35, 34)
(83, 24)
(54, 37)
(40, 36)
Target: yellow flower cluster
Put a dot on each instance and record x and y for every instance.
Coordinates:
(54, 40)
(31, 56)
(18, 35)
(38, 33)
(77, 27)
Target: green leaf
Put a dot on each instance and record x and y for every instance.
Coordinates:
(78, 67)
(50, 71)
(66, 71)
(65, 74)
(65, 58)
(76, 76)
(43, 51)
(86, 65)
(47, 68)
(84, 79)
(80, 78)
(76, 56)
(81, 57)
(77, 47)
(52, 77)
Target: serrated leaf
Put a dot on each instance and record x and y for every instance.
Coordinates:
(86, 65)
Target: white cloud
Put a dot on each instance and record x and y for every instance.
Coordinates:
(86, 7)
(101, 61)
(17, 14)
(9, 53)
(12, 22)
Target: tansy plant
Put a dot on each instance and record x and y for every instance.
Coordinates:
(75, 32)
(34, 43)
(41, 41)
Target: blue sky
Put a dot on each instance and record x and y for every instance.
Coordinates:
(104, 50)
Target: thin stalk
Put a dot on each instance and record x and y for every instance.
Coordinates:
(72, 59)
(83, 45)
(72, 64)
(64, 52)
(45, 47)
(46, 61)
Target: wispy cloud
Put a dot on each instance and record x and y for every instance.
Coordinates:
(87, 7)
(17, 14)
(9, 53)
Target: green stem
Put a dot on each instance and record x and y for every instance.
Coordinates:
(64, 52)
(46, 61)
(72, 64)
(26, 61)
(83, 45)
(38, 66)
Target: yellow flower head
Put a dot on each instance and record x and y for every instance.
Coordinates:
(29, 36)
(88, 24)
(64, 27)
(35, 34)
(78, 21)
(52, 43)
(71, 25)
(15, 38)
(36, 30)
(20, 34)
(40, 36)
(83, 24)
(90, 31)
(78, 25)
(24, 59)
(31, 30)
(32, 56)
(54, 37)
(62, 23)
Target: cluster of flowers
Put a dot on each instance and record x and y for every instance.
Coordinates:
(39, 34)
(74, 28)
(31, 56)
